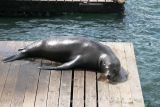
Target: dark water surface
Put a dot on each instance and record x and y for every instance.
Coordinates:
(140, 25)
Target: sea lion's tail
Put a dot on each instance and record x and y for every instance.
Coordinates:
(14, 57)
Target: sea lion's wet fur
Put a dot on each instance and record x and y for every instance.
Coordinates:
(74, 53)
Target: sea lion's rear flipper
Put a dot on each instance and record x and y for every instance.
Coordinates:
(13, 57)
(68, 65)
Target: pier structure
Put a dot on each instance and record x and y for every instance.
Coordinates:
(22, 84)
(53, 7)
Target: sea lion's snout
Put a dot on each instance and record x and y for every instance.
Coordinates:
(108, 77)
(117, 76)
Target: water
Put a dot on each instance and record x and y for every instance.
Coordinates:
(140, 25)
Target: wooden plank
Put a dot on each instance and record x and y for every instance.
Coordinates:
(42, 91)
(65, 89)
(51, 0)
(76, 0)
(84, 1)
(126, 97)
(93, 1)
(78, 89)
(54, 89)
(115, 96)
(19, 92)
(90, 89)
(121, 1)
(60, 0)
(4, 67)
(101, 0)
(135, 86)
(32, 74)
(109, 0)
(8, 90)
(103, 92)
(68, 0)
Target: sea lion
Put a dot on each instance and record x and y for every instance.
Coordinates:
(73, 53)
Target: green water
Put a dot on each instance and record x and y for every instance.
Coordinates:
(140, 25)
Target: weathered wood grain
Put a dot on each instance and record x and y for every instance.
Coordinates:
(54, 88)
(42, 91)
(19, 92)
(65, 89)
(126, 97)
(4, 68)
(114, 91)
(90, 89)
(78, 89)
(135, 85)
(10, 83)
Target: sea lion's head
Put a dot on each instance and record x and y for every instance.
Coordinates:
(110, 68)
(113, 72)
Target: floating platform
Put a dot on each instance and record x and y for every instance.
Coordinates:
(52, 7)
(22, 84)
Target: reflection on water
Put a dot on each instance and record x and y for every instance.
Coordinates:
(140, 25)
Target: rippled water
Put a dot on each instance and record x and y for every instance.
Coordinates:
(140, 25)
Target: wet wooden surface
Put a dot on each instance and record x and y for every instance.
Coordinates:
(22, 84)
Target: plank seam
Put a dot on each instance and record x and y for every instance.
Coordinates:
(97, 90)
(84, 88)
(72, 83)
(48, 87)
(60, 87)
(37, 85)
(109, 95)
(24, 44)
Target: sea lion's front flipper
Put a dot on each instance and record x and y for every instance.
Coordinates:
(68, 65)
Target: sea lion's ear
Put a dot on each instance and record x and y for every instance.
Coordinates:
(101, 59)
(100, 62)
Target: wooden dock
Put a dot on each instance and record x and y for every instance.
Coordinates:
(22, 84)
(38, 8)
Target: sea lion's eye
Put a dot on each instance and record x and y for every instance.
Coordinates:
(115, 72)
